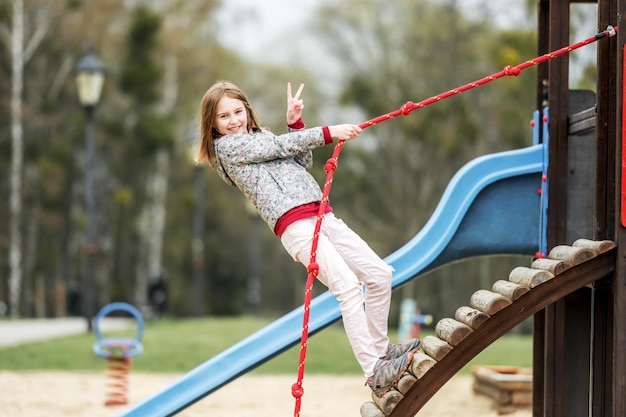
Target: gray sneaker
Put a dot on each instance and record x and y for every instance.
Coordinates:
(388, 372)
(397, 350)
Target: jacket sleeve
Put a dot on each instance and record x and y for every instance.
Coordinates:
(305, 159)
(265, 146)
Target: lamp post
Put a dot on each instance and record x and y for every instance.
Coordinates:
(89, 73)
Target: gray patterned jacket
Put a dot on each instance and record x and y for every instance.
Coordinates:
(271, 170)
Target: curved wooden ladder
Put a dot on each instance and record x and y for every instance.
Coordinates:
(491, 315)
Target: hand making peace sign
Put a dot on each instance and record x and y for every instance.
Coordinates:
(294, 105)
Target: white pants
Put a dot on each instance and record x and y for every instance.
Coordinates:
(346, 263)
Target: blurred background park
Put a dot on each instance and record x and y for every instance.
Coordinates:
(103, 201)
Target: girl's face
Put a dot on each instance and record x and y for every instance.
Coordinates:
(231, 116)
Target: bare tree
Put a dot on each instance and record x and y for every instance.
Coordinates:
(19, 56)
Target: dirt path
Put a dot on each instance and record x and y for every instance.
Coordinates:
(64, 394)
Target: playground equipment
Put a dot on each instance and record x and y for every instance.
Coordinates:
(490, 314)
(118, 352)
(579, 315)
(580, 339)
(510, 387)
(411, 320)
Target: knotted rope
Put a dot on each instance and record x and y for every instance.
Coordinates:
(297, 389)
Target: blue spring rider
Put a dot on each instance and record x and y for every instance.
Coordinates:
(118, 351)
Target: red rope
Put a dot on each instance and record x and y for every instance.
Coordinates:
(331, 165)
(409, 106)
(297, 389)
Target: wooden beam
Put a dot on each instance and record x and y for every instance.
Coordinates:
(617, 11)
(539, 320)
(554, 366)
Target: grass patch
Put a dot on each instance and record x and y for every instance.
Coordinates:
(180, 345)
(509, 350)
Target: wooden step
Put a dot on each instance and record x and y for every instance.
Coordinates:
(471, 316)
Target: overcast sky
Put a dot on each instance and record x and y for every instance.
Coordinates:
(258, 28)
(265, 29)
(276, 30)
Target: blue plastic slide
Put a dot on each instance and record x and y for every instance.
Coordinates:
(491, 206)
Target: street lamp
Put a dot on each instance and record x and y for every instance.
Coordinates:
(89, 73)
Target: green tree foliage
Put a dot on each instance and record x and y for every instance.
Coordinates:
(140, 73)
(390, 59)
(409, 50)
(141, 78)
(127, 133)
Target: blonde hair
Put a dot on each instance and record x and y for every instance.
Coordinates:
(207, 113)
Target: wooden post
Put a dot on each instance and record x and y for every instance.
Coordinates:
(616, 10)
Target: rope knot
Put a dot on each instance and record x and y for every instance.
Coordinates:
(314, 269)
(611, 30)
(297, 391)
(331, 165)
(407, 108)
(509, 70)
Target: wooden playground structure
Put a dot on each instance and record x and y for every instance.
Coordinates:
(577, 295)
(580, 340)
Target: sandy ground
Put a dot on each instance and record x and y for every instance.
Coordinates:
(64, 394)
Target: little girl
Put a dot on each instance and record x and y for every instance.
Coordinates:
(272, 172)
